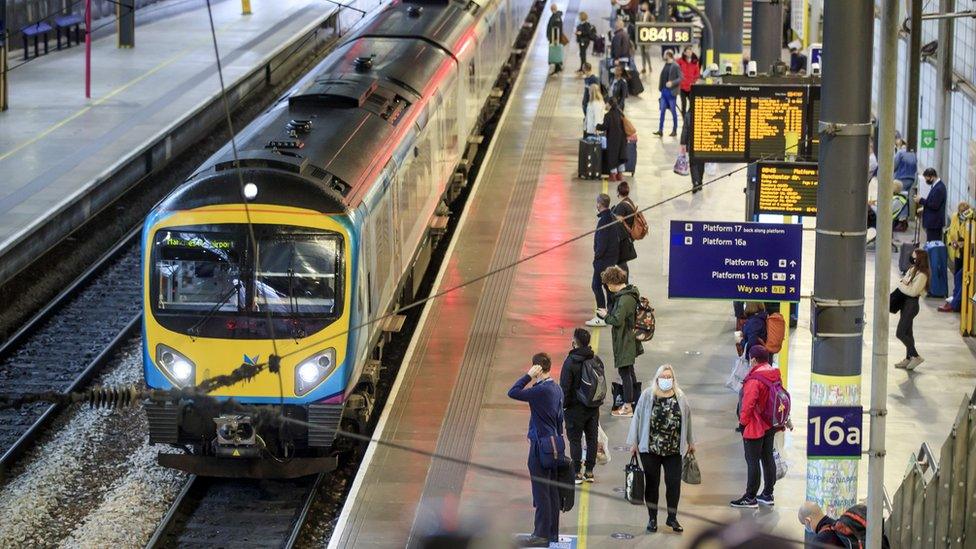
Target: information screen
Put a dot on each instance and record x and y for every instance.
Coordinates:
(787, 188)
(743, 123)
(813, 122)
(665, 33)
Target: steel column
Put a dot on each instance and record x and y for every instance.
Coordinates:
(713, 10)
(943, 98)
(914, 73)
(125, 15)
(838, 293)
(730, 35)
(767, 34)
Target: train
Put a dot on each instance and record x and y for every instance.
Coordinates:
(286, 246)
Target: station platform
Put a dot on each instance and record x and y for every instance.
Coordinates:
(64, 157)
(473, 343)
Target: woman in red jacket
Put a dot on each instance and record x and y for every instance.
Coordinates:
(690, 72)
(757, 432)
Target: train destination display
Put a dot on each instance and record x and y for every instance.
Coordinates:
(665, 33)
(786, 188)
(743, 123)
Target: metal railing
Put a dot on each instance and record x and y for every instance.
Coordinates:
(930, 507)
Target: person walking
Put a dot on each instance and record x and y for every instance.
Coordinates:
(933, 206)
(906, 165)
(585, 33)
(913, 285)
(554, 33)
(626, 347)
(757, 431)
(624, 211)
(955, 240)
(660, 432)
(582, 417)
(696, 168)
(669, 83)
(594, 111)
(606, 252)
(645, 16)
(546, 446)
(616, 137)
(690, 67)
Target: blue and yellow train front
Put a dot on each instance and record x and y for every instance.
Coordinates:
(225, 287)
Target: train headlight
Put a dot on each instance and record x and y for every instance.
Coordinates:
(177, 367)
(311, 371)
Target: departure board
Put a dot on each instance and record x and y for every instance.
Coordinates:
(743, 123)
(786, 188)
(813, 122)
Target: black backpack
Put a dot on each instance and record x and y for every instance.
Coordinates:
(851, 528)
(593, 383)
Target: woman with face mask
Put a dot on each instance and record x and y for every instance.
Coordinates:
(914, 284)
(660, 433)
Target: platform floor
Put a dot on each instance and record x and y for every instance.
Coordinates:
(55, 144)
(472, 344)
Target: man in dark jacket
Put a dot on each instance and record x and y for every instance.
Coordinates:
(818, 524)
(606, 252)
(581, 419)
(585, 33)
(933, 206)
(620, 44)
(588, 79)
(798, 60)
(625, 211)
(695, 167)
(545, 429)
(669, 84)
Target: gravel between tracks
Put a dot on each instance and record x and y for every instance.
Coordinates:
(93, 481)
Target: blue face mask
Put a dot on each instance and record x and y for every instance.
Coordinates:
(807, 529)
(665, 384)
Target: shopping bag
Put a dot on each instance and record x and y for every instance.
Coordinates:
(690, 473)
(681, 164)
(634, 482)
(603, 443)
(781, 465)
(740, 369)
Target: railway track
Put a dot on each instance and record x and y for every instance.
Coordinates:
(212, 512)
(68, 342)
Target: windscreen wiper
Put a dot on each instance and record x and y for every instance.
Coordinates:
(195, 329)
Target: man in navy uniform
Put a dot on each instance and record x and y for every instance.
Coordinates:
(933, 206)
(546, 446)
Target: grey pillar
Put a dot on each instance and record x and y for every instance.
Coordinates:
(943, 98)
(125, 11)
(730, 35)
(3, 55)
(837, 317)
(767, 34)
(713, 10)
(914, 73)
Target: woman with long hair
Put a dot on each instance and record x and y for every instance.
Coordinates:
(914, 284)
(595, 109)
(690, 73)
(660, 433)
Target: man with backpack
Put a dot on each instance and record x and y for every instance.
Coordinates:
(584, 386)
(764, 410)
(818, 524)
(848, 531)
(633, 225)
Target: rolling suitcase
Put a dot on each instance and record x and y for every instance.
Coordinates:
(634, 85)
(555, 54)
(599, 45)
(631, 165)
(590, 158)
(939, 267)
(905, 251)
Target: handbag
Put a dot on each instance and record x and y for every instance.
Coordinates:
(681, 164)
(634, 482)
(781, 465)
(896, 301)
(629, 128)
(563, 39)
(740, 369)
(690, 473)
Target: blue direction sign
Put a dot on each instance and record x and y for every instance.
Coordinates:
(834, 431)
(742, 261)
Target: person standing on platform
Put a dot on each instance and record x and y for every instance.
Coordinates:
(595, 109)
(616, 137)
(582, 370)
(626, 347)
(933, 206)
(624, 211)
(913, 285)
(757, 431)
(620, 43)
(619, 89)
(669, 84)
(606, 253)
(661, 434)
(588, 80)
(645, 16)
(696, 168)
(585, 33)
(690, 67)
(546, 446)
(754, 328)
(554, 32)
(955, 240)
(906, 165)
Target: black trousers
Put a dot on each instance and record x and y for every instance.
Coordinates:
(931, 235)
(685, 100)
(582, 421)
(652, 464)
(759, 455)
(600, 292)
(545, 497)
(906, 322)
(627, 380)
(697, 170)
(582, 53)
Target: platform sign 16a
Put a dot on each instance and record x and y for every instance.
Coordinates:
(665, 33)
(834, 432)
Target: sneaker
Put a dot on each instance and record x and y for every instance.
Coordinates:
(914, 363)
(659, 134)
(588, 477)
(901, 365)
(596, 322)
(744, 503)
(531, 541)
(579, 478)
(765, 500)
(623, 411)
(652, 525)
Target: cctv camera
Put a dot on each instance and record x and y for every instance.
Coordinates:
(751, 69)
(728, 68)
(815, 69)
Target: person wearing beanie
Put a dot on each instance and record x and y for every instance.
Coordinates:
(582, 418)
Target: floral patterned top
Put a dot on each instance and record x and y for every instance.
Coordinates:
(665, 427)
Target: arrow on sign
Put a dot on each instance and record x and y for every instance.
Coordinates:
(792, 263)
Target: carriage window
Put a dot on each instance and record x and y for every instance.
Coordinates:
(297, 274)
(198, 271)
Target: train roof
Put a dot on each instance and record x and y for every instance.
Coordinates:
(337, 126)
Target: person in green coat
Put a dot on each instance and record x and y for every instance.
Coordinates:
(626, 348)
